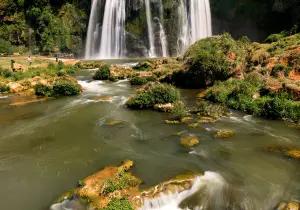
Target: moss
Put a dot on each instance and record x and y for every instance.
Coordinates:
(121, 181)
(43, 90)
(154, 93)
(119, 204)
(66, 88)
(138, 81)
(212, 59)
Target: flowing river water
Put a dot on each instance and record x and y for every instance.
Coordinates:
(45, 148)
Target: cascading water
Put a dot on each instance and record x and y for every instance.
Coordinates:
(212, 183)
(152, 51)
(195, 22)
(106, 37)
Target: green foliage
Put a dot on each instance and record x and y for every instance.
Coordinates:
(210, 60)
(66, 88)
(119, 204)
(276, 37)
(238, 94)
(144, 66)
(43, 90)
(4, 88)
(154, 93)
(138, 81)
(5, 73)
(103, 73)
(121, 181)
(5, 47)
(179, 110)
(280, 68)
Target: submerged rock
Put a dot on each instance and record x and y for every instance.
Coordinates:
(287, 151)
(224, 133)
(113, 122)
(103, 98)
(189, 141)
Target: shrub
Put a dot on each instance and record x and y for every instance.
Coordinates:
(103, 73)
(154, 93)
(280, 68)
(179, 110)
(5, 47)
(138, 81)
(145, 66)
(210, 60)
(4, 88)
(5, 73)
(43, 90)
(66, 88)
(276, 37)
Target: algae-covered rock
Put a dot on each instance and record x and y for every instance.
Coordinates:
(291, 205)
(285, 150)
(189, 141)
(115, 188)
(224, 133)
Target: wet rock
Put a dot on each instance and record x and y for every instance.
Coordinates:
(189, 141)
(103, 98)
(23, 100)
(187, 120)
(287, 151)
(295, 154)
(164, 107)
(292, 205)
(172, 122)
(112, 184)
(113, 122)
(194, 125)
(206, 120)
(224, 134)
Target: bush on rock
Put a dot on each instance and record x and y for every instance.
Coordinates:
(154, 93)
(103, 73)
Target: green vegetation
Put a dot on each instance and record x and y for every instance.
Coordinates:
(62, 87)
(119, 204)
(145, 66)
(42, 26)
(280, 68)
(154, 93)
(141, 80)
(121, 181)
(210, 60)
(240, 95)
(103, 73)
(4, 88)
(179, 110)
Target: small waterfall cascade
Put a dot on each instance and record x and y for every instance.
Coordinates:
(211, 183)
(152, 51)
(107, 36)
(195, 22)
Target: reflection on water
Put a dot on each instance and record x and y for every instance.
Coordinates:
(45, 148)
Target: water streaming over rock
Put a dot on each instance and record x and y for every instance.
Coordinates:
(107, 35)
(211, 182)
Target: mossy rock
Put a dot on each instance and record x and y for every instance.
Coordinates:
(225, 134)
(189, 141)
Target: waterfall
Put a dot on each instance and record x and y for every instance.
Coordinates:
(106, 35)
(152, 51)
(91, 36)
(194, 22)
(113, 30)
(162, 33)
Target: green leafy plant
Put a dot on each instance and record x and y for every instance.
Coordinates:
(103, 73)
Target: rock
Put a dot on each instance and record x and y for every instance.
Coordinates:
(172, 122)
(291, 205)
(164, 107)
(295, 154)
(224, 133)
(15, 87)
(112, 122)
(22, 101)
(189, 141)
(103, 98)
(206, 120)
(186, 119)
(194, 125)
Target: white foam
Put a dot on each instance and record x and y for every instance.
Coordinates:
(211, 181)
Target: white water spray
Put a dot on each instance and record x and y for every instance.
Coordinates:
(212, 182)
